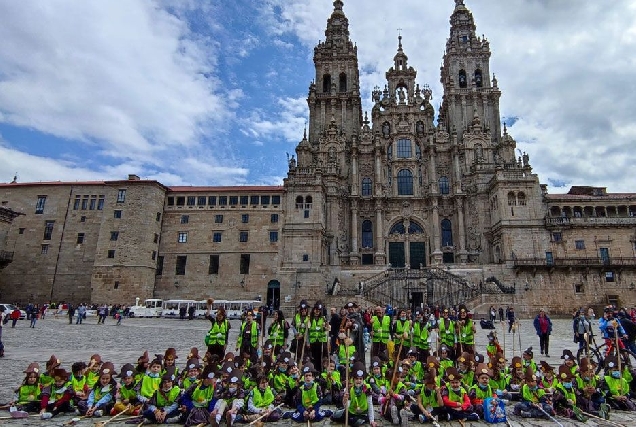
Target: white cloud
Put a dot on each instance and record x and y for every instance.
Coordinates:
(287, 123)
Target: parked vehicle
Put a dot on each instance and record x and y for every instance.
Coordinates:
(8, 308)
(152, 307)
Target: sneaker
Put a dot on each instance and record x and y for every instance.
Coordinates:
(422, 418)
(395, 419)
(46, 415)
(474, 416)
(526, 414)
(604, 411)
(98, 413)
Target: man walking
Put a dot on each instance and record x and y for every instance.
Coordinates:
(511, 318)
(543, 327)
(71, 314)
(81, 312)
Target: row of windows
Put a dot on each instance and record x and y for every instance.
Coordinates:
(463, 82)
(342, 83)
(217, 236)
(218, 219)
(213, 267)
(400, 228)
(223, 200)
(90, 203)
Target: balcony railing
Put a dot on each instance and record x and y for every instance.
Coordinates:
(591, 220)
(575, 262)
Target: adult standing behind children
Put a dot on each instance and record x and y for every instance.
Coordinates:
(543, 327)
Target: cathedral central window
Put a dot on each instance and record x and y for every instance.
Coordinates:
(404, 148)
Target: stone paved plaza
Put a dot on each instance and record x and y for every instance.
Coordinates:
(125, 343)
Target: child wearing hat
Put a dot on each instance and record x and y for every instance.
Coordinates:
(230, 397)
(149, 383)
(169, 362)
(569, 361)
(58, 396)
(331, 383)
(456, 399)
(429, 405)
(588, 397)
(92, 370)
(191, 373)
(394, 403)
(564, 396)
(482, 390)
(163, 407)
(466, 369)
(198, 400)
(27, 397)
(261, 403)
(527, 356)
(548, 380)
(127, 392)
(300, 325)
(535, 402)
(279, 376)
(309, 398)
(102, 396)
(493, 347)
(445, 360)
(46, 378)
(616, 387)
(517, 377)
(142, 366)
(499, 378)
(358, 400)
(378, 382)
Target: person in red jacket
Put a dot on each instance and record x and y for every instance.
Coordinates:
(15, 316)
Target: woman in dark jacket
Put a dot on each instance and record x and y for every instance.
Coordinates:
(543, 327)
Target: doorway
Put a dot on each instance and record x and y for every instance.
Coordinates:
(273, 295)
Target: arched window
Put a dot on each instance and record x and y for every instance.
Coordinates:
(447, 233)
(478, 78)
(300, 202)
(512, 200)
(366, 186)
(405, 182)
(521, 198)
(398, 228)
(326, 83)
(367, 234)
(444, 187)
(404, 148)
(308, 201)
(415, 228)
(462, 79)
(342, 86)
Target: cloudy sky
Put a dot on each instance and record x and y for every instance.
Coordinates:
(210, 92)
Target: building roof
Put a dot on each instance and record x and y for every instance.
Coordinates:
(228, 189)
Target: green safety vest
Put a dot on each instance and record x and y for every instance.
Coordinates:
(253, 335)
(167, 399)
(617, 386)
(262, 400)
(335, 378)
(359, 404)
(401, 326)
(78, 384)
(277, 334)
(429, 398)
(468, 378)
(454, 396)
(582, 383)
(29, 393)
(201, 396)
(571, 395)
(420, 335)
(149, 385)
(57, 393)
(217, 333)
(342, 353)
(309, 397)
(300, 324)
(46, 380)
(447, 335)
(128, 392)
(279, 380)
(499, 384)
(481, 394)
(100, 392)
(548, 384)
(532, 395)
(188, 382)
(466, 334)
(381, 329)
(317, 331)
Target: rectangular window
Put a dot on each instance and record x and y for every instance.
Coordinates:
(218, 219)
(39, 206)
(578, 288)
(114, 235)
(100, 203)
(170, 201)
(244, 268)
(275, 200)
(367, 259)
(80, 238)
(273, 236)
(111, 253)
(233, 200)
(243, 235)
(273, 218)
(216, 237)
(183, 237)
(93, 203)
(158, 217)
(48, 229)
(253, 200)
(214, 265)
(82, 218)
(549, 259)
(85, 203)
(185, 219)
(244, 200)
(21, 231)
(117, 213)
(44, 249)
(121, 196)
(201, 200)
(579, 244)
(557, 236)
(180, 269)
(159, 270)
(609, 276)
(154, 255)
(306, 214)
(305, 257)
(76, 204)
(212, 200)
(265, 200)
(156, 239)
(180, 201)
(222, 200)
(245, 218)
(192, 200)
(116, 285)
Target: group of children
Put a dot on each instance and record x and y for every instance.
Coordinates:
(274, 385)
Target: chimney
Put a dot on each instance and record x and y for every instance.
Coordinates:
(133, 177)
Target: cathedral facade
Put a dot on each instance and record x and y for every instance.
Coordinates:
(399, 189)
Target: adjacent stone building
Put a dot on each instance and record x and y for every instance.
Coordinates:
(397, 205)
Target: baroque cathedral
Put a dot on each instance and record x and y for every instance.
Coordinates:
(397, 206)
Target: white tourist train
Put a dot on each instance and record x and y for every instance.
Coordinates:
(234, 309)
(152, 307)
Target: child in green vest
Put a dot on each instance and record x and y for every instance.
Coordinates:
(27, 396)
(358, 401)
(548, 380)
(534, 402)
(455, 398)
(261, 403)
(279, 377)
(163, 407)
(377, 380)
(230, 397)
(149, 383)
(331, 383)
(429, 406)
(527, 356)
(126, 393)
(616, 386)
(78, 382)
(192, 370)
(564, 397)
(58, 396)
(46, 378)
(198, 400)
(589, 398)
(102, 396)
(481, 390)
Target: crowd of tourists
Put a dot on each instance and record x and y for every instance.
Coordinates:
(424, 366)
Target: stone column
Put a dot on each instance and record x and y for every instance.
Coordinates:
(436, 249)
(354, 233)
(463, 255)
(380, 254)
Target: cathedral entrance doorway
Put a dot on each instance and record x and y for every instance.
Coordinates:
(273, 294)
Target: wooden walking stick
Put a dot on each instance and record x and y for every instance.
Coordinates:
(503, 332)
(395, 369)
(613, 423)
(265, 414)
(103, 423)
(618, 353)
(302, 351)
